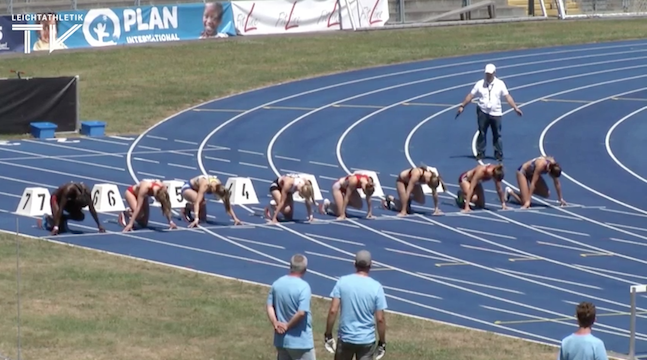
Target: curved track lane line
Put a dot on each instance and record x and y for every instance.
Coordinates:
(142, 135)
(284, 128)
(607, 144)
(407, 142)
(212, 133)
(564, 174)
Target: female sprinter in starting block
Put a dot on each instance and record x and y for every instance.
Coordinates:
(471, 187)
(67, 203)
(531, 181)
(408, 184)
(139, 207)
(282, 202)
(193, 192)
(345, 194)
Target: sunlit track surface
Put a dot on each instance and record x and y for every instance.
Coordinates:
(514, 272)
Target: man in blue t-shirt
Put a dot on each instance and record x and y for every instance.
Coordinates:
(582, 345)
(362, 304)
(288, 308)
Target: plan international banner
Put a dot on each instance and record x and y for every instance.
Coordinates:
(132, 25)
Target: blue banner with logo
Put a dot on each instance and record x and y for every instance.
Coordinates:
(133, 25)
(11, 40)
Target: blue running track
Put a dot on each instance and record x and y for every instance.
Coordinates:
(518, 273)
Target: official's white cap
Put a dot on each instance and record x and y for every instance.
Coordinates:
(490, 69)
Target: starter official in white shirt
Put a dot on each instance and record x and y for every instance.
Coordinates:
(489, 92)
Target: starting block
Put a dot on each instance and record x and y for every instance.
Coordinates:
(378, 193)
(35, 201)
(241, 191)
(315, 188)
(106, 198)
(426, 189)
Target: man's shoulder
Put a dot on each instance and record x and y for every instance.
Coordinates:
(353, 280)
(479, 83)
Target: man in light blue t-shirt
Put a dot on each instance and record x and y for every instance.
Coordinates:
(288, 308)
(582, 345)
(362, 304)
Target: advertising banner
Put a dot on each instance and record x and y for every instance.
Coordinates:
(133, 25)
(10, 40)
(289, 16)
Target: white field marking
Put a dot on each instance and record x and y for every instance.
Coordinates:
(349, 129)
(619, 332)
(85, 163)
(411, 292)
(323, 164)
(560, 230)
(613, 311)
(495, 251)
(147, 160)
(222, 173)
(121, 138)
(328, 178)
(106, 141)
(155, 176)
(256, 242)
(607, 144)
(568, 247)
(156, 137)
(614, 272)
(410, 236)
(184, 247)
(483, 218)
(250, 152)
(288, 171)
(488, 233)
(545, 340)
(217, 159)
(185, 142)
(286, 158)
(182, 166)
(10, 195)
(214, 147)
(349, 260)
(335, 239)
(627, 226)
(622, 212)
(455, 259)
(79, 149)
(553, 215)
(252, 165)
(67, 174)
(179, 152)
(149, 148)
(419, 255)
(551, 279)
(472, 283)
(628, 242)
